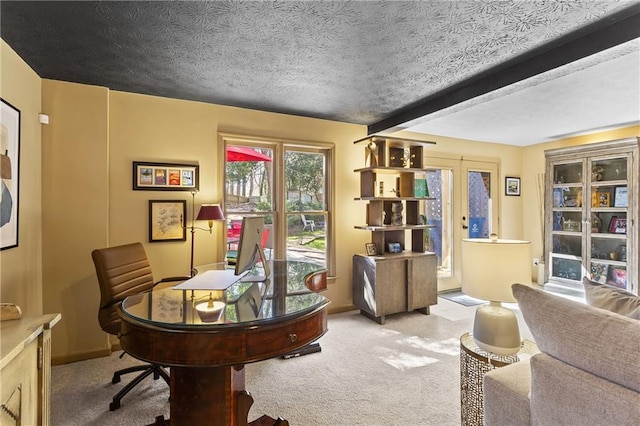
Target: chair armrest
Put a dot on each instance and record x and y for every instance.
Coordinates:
(171, 279)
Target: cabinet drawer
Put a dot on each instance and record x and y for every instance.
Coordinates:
(264, 343)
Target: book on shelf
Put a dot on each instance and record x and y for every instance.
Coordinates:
(420, 188)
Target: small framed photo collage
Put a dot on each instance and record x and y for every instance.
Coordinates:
(165, 176)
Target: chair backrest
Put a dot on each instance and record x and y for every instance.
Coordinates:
(267, 237)
(122, 271)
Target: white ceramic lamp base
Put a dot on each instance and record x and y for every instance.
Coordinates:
(495, 330)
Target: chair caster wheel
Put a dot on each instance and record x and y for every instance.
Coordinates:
(114, 405)
(115, 379)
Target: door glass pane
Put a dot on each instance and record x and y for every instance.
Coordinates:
(479, 202)
(567, 173)
(608, 248)
(439, 214)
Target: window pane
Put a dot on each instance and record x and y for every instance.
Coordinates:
(249, 174)
(304, 181)
(439, 215)
(234, 230)
(306, 238)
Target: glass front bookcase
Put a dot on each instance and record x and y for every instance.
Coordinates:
(591, 215)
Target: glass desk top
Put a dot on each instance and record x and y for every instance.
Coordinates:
(282, 296)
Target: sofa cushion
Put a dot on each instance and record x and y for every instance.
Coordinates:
(564, 395)
(598, 341)
(506, 395)
(611, 298)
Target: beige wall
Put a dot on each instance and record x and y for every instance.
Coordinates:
(76, 220)
(21, 267)
(94, 137)
(76, 194)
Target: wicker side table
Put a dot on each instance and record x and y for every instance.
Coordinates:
(474, 364)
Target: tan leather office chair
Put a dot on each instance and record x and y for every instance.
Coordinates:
(124, 271)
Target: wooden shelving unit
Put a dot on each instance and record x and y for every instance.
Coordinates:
(392, 181)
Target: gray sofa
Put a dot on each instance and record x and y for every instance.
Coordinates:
(588, 370)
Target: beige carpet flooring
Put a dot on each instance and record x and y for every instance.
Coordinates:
(405, 372)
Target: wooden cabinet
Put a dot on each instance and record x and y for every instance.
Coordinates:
(25, 370)
(385, 285)
(402, 276)
(591, 214)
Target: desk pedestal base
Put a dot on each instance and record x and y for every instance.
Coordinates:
(214, 396)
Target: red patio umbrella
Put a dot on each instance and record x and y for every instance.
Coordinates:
(242, 153)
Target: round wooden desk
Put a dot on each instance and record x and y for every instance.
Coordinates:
(207, 360)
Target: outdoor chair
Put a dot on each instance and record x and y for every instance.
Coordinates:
(307, 223)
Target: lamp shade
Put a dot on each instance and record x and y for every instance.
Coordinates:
(491, 266)
(210, 212)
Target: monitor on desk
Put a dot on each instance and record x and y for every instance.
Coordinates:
(250, 249)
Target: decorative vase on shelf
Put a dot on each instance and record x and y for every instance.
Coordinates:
(396, 213)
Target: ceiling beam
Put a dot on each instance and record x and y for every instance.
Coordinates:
(611, 31)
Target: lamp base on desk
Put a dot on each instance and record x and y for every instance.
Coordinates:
(495, 330)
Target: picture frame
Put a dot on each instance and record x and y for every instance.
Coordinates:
(394, 247)
(603, 199)
(599, 272)
(620, 198)
(620, 226)
(512, 186)
(617, 277)
(612, 224)
(371, 249)
(150, 176)
(167, 220)
(10, 175)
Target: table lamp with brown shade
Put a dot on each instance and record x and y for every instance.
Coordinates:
(489, 267)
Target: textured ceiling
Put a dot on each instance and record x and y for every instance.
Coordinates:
(356, 62)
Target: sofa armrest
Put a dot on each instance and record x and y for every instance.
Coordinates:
(566, 395)
(506, 395)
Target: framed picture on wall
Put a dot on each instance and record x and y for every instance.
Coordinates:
(512, 186)
(165, 176)
(10, 171)
(620, 197)
(167, 220)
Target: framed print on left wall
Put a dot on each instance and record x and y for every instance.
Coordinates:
(10, 171)
(167, 220)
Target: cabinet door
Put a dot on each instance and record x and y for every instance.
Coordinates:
(422, 282)
(608, 244)
(379, 285)
(391, 294)
(19, 386)
(565, 242)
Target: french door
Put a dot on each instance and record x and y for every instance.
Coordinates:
(466, 206)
